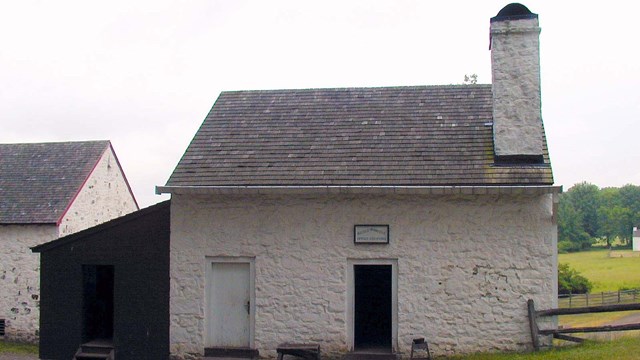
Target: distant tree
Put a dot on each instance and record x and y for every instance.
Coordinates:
(615, 222)
(609, 197)
(571, 234)
(618, 212)
(630, 198)
(586, 212)
(470, 79)
(584, 197)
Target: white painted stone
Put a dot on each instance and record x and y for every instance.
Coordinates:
(466, 266)
(19, 278)
(104, 196)
(515, 65)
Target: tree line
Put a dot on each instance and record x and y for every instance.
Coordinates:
(587, 214)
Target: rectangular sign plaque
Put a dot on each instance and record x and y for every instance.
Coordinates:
(371, 234)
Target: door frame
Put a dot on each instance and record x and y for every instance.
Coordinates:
(209, 261)
(351, 299)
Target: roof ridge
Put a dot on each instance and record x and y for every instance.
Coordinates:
(57, 142)
(390, 87)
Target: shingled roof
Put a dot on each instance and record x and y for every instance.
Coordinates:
(39, 181)
(392, 136)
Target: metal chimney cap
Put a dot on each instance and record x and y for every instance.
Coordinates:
(514, 11)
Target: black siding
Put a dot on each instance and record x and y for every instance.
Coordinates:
(137, 246)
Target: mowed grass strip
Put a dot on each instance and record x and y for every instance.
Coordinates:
(593, 319)
(605, 273)
(17, 348)
(621, 349)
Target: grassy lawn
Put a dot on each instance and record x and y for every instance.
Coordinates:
(621, 349)
(598, 319)
(17, 348)
(605, 273)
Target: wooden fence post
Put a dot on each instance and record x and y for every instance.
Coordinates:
(533, 324)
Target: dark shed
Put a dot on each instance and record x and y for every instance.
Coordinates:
(109, 285)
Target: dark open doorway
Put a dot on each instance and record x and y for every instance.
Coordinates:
(372, 307)
(97, 305)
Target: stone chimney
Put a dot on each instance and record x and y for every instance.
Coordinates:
(515, 67)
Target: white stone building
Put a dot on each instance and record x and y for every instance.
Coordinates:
(49, 190)
(636, 239)
(362, 218)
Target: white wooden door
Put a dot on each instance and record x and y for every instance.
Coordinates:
(229, 305)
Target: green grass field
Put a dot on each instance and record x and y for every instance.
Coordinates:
(605, 273)
(17, 348)
(621, 349)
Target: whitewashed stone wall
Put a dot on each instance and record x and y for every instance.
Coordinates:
(19, 278)
(466, 266)
(105, 196)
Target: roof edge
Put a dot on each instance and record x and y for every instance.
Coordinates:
(84, 182)
(374, 190)
(101, 227)
(124, 175)
(95, 166)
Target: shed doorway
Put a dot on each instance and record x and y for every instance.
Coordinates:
(97, 302)
(373, 302)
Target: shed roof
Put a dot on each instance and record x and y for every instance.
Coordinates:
(390, 136)
(113, 223)
(39, 181)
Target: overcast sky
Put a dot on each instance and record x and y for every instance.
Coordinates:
(144, 74)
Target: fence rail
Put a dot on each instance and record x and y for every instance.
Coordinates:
(599, 299)
(561, 333)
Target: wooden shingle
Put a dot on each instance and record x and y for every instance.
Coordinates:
(38, 181)
(393, 136)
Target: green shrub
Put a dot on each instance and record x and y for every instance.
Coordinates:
(571, 282)
(567, 246)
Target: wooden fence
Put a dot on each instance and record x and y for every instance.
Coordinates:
(599, 299)
(562, 333)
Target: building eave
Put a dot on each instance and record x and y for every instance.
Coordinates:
(372, 190)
